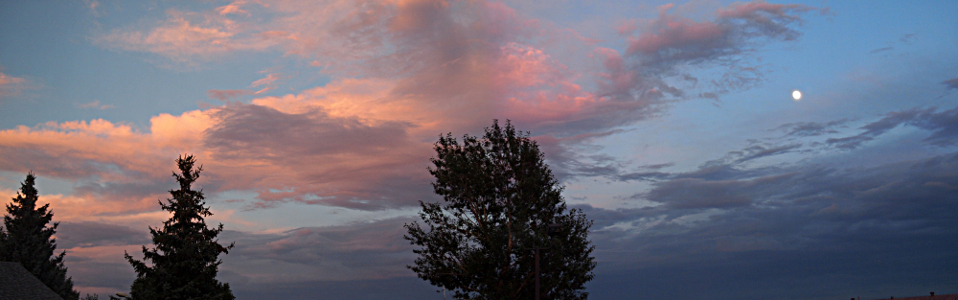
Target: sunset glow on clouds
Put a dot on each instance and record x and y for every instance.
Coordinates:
(671, 125)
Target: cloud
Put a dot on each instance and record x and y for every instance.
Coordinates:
(283, 150)
(807, 129)
(267, 83)
(655, 58)
(91, 234)
(224, 95)
(95, 105)
(697, 193)
(951, 83)
(882, 49)
(403, 72)
(11, 86)
(187, 38)
(671, 38)
(802, 220)
(486, 59)
(758, 151)
(374, 250)
(233, 8)
(943, 125)
(346, 156)
(566, 159)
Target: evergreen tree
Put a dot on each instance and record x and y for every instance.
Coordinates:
(28, 240)
(503, 214)
(185, 254)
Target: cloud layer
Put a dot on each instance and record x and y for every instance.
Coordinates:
(395, 74)
(403, 72)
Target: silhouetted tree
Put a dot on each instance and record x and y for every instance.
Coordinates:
(185, 254)
(500, 199)
(28, 240)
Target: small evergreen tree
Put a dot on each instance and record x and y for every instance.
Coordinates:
(185, 254)
(28, 240)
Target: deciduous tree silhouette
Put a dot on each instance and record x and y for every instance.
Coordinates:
(28, 240)
(185, 254)
(500, 199)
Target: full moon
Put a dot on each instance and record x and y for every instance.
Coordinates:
(797, 95)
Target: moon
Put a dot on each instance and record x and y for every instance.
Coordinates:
(797, 95)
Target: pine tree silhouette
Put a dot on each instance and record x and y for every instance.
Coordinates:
(28, 240)
(185, 254)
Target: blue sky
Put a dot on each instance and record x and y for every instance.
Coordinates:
(671, 124)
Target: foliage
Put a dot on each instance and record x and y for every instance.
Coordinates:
(185, 253)
(29, 241)
(499, 200)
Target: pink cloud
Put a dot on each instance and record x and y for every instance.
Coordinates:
(268, 83)
(224, 95)
(727, 32)
(756, 10)
(185, 37)
(675, 32)
(233, 8)
(10, 85)
(627, 27)
(403, 72)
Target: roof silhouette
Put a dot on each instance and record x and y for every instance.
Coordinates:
(16, 283)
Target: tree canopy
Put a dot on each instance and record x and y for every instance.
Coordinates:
(27, 239)
(500, 199)
(185, 254)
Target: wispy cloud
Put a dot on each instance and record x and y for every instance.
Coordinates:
(942, 125)
(11, 86)
(267, 83)
(951, 83)
(224, 95)
(402, 73)
(187, 38)
(95, 105)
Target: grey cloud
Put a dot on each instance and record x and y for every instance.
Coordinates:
(565, 158)
(349, 252)
(646, 173)
(696, 193)
(906, 38)
(116, 274)
(134, 189)
(812, 207)
(49, 163)
(647, 176)
(951, 83)
(721, 169)
(339, 161)
(882, 49)
(666, 46)
(805, 223)
(877, 128)
(92, 234)
(657, 166)
(224, 95)
(807, 129)
(759, 151)
(943, 126)
(263, 132)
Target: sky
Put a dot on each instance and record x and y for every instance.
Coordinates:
(671, 125)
